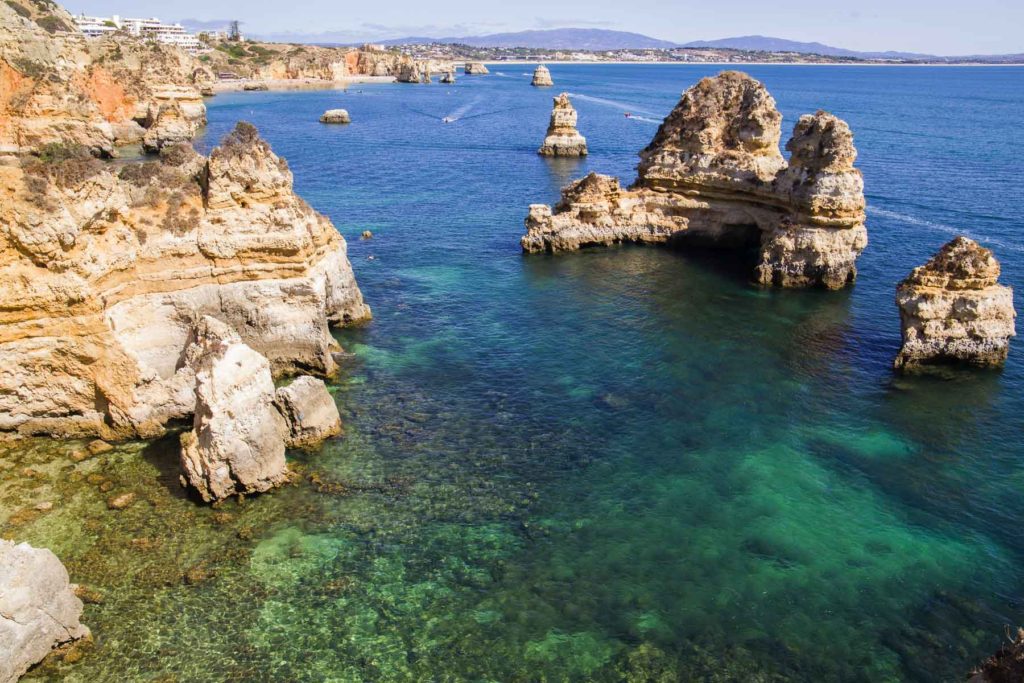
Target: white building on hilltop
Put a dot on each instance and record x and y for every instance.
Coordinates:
(149, 29)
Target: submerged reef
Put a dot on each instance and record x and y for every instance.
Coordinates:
(563, 140)
(110, 268)
(714, 175)
(953, 310)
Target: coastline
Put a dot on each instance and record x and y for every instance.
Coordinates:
(738, 65)
(279, 84)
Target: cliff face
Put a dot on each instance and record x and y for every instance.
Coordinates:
(714, 175)
(563, 140)
(58, 87)
(108, 269)
(953, 309)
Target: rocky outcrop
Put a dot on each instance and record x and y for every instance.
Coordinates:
(448, 77)
(309, 411)
(237, 441)
(176, 114)
(953, 309)
(38, 608)
(1006, 665)
(336, 116)
(541, 76)
(476, 69)
(714, 175)
(563, 140)
(60, 88)
(107, 270)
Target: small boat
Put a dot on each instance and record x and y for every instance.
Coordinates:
(447, 119)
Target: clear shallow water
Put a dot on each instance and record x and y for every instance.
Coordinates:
(622, 464)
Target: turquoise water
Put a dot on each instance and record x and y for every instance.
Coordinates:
(619, 465)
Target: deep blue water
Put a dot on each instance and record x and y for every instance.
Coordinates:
(628, 463)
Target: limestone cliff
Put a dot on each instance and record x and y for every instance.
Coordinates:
(714, 175)
(59, 87)
(107, 269)
(953, 309)
(563, 140)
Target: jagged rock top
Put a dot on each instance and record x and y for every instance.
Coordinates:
(961, 264)
(542, 76)
(727, 124)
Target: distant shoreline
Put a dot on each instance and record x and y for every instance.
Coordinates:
(740, 65)
(278, 84)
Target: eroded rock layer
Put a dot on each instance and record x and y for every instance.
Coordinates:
(542, 76)
(953, 309)
(563, 140)
(57, 87)
(108, 268)
(714, 175)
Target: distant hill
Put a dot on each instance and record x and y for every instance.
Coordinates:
(553, 39)
(769, 44)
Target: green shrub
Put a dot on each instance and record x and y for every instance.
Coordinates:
(53, 24)
(20, 9)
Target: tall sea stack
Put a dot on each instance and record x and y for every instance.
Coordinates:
(563, 140)
(714, 175)
(542, 77)
(953, 310)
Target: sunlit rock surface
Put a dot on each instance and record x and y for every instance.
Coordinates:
(714, 175)
(563, 140)
(953, 309)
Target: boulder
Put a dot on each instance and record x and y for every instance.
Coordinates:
(563, 140)
(38, 608)
(238, 436)
(335, 116)
(714, 175)
(448, 77)
(953, 310)
(542, 77)
(309, 411)
(476, 69)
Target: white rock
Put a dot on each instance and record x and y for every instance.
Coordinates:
(309, 410)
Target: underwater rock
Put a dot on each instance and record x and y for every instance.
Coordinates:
(335, 116)
(38, 608)
(714, 175)
(541, 76)
(238, 436)
(309, 411)
(476, 69)
(107, 269)
(953, 309)
(1005, 666)
(563, 140)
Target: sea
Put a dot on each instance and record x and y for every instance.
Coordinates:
(621, 464)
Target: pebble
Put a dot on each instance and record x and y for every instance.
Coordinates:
(122, 501)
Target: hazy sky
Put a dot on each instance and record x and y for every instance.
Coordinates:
(934, 26)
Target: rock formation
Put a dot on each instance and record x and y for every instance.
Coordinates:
(476, 69)
(336, 116)
(952, 309)
(238, 437)
(108, 269)
(448, 77)
(57, 87)
(309, 411)
(38, 608)
(714, 175)
(541, 76)
(563, 140)
(1006, 665)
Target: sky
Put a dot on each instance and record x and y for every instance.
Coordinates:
(931, 26)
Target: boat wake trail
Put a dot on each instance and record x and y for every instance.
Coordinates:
(621, 106)
(941, 227)
(463, 110)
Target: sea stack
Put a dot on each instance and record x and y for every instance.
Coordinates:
(476, 69)
(336, 116)
(448, 77)
(563, 140)
(953, 310)
(714, 175)
(38, 608)
(542, 77)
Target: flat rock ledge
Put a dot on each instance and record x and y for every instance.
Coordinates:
(563, 140)
(953, 310)
(542, 77)
(336, 116)
(714, 176)
(38, 608)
